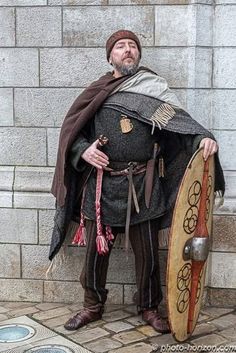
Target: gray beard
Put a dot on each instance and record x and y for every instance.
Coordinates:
(126, 69)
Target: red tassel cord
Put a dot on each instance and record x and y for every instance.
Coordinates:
(101, 239)
(80, 235)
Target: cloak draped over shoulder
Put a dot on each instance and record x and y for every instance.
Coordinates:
(68, 183)
(81, 111)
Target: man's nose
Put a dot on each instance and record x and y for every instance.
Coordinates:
(127, 48)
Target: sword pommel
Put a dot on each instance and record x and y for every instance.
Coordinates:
(103, 140)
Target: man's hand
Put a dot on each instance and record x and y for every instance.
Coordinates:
(209, 147)
(94, 156)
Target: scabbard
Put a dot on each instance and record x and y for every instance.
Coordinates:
(128, 213)
(151, 164)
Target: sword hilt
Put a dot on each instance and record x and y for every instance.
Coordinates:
(103, 140)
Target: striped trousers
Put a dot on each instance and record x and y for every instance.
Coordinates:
(144, 242)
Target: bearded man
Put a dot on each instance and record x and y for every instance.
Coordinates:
(126, 182)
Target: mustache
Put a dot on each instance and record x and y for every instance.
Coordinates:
(128, 56)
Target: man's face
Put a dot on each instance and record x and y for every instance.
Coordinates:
(125, 57)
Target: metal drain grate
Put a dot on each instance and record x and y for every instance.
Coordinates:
(36, 339)
(15, 333)
(50, 349)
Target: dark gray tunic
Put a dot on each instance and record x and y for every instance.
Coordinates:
(137, 145)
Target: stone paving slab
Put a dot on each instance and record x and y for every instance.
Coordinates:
(3, 317)
(103, 345)
(121, 330)
(225, 321)
(56, 321)
(89, 335)
(162, 340)
(232, 345)
(204, 329)
(95, 324)
(23, 311)
(118, 326)
(129, 337)
(135, 320)
(148, 330)
(215, 312)
(48, 306)
(3, 310)
(63, 331)
(114, 307)
(17, 305)
(209, 340)
(44, 315)
(115, 315)
(229, 333)
(203, 317)
(131, 309)
(135, 348)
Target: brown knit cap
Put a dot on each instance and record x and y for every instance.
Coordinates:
(121, 34)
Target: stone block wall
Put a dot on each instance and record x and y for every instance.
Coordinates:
(49, 51)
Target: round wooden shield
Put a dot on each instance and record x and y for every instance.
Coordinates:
(183, 309)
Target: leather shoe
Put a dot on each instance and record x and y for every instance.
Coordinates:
(153, 318)
(82, 318)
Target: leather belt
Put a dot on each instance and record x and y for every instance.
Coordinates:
(133, 168)
(137, 168)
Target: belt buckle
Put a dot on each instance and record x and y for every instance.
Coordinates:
(133, 165)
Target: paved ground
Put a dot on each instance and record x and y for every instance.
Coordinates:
(122, 331)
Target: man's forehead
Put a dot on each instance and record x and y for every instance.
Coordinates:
(125, 40)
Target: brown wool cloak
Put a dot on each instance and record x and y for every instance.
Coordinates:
(81, 111)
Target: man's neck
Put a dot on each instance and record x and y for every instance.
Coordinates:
(117, 74)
